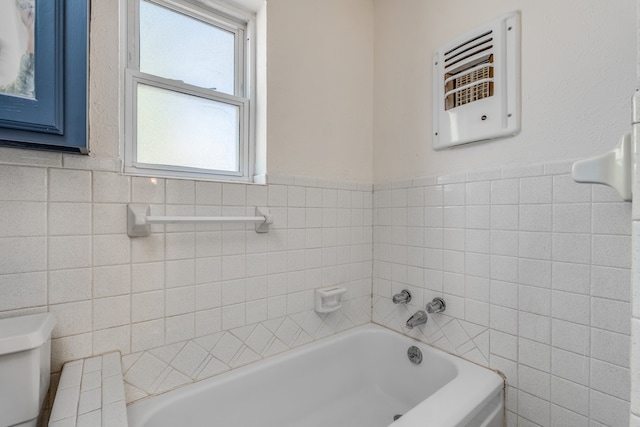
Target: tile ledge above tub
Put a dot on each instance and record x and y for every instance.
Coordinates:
(90, 393)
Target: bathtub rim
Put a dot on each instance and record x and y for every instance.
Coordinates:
(469, 401)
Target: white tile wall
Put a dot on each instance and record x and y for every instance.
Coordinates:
(196, 300)
(535, 269)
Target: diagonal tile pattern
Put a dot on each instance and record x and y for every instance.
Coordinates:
(164, 368)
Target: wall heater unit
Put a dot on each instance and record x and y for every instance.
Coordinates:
(476, 85)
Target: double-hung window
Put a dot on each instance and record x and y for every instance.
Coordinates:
(188, 106)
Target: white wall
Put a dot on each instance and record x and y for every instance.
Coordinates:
(320, 84)
(104, 80)
(578, 74)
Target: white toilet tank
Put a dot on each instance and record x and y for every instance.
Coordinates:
(25, 364)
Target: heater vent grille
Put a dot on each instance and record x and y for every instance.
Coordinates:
(468, 49)
(469, 71)
(469, 85)
(476, 84)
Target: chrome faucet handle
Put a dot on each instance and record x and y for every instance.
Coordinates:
(402, 297)
(437, 305)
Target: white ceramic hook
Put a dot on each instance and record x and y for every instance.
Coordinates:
(613, 168)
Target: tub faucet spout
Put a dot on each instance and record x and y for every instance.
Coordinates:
(419, 318)
(402, 298)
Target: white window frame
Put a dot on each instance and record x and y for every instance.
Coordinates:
(236, 21)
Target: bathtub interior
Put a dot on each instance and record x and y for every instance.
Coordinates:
(359, 378)
(380, 356)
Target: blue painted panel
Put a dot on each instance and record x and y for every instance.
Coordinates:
(57, 118)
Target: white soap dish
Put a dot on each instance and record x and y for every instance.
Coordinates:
(328, 300)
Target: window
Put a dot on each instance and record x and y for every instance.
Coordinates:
(188, 106)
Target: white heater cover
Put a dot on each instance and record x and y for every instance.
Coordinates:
(476, 85)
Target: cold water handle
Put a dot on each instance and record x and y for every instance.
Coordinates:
(437, 305)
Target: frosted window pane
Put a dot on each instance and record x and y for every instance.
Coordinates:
(184, 130)
(178, 47)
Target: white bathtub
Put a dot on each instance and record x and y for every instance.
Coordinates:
(359, 378)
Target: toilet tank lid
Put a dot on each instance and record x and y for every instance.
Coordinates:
(25, 332)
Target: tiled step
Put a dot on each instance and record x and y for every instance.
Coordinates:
(90, 393)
